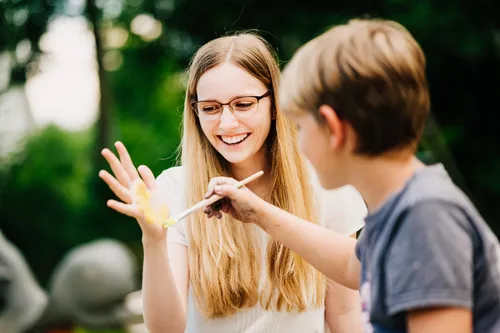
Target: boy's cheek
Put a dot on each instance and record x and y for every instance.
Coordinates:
(303, 143)
(309, 149)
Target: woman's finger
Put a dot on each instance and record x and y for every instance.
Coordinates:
(123, 208)
(126, 161)
(148, 177)
(118, 170)
(115, 186)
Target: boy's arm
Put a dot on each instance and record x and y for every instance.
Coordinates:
(429, 264)
(330, 253)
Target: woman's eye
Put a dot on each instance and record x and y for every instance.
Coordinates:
(209, 108)
(243, 105)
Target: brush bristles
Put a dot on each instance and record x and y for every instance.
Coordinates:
(170, 222)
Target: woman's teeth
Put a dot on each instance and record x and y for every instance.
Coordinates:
(231, 140)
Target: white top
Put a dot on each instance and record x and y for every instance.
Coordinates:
(341, 210)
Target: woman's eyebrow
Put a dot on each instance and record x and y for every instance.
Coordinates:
(231, 98)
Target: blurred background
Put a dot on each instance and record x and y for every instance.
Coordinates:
(77, 75)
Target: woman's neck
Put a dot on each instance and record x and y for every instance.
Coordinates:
(262, 185)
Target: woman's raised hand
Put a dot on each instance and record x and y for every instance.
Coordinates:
(125, 174)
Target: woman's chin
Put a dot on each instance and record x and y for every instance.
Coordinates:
(235, 157)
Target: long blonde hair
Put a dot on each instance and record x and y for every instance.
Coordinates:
(222, 289)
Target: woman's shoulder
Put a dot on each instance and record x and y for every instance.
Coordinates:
(173, 176)
(172, 186)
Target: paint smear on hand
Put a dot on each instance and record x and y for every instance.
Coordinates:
(154, 209)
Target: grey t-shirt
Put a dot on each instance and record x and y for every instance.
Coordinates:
(428, 246)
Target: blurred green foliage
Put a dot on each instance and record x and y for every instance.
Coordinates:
(52, 198)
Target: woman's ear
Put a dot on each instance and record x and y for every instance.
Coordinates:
(334, 125)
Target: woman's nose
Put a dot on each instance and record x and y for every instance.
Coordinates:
(227, 119)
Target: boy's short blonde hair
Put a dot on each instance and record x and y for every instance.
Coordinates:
(372, 73)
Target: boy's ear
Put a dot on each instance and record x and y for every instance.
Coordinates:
(334, 125)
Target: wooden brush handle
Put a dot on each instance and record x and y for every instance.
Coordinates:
(214, 198)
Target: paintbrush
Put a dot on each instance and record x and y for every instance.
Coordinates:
(207, 202)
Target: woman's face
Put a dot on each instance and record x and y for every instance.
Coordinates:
(237, 130)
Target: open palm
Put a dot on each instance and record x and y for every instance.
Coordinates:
(125, 173)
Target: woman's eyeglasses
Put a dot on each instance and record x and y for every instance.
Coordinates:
(242, 106)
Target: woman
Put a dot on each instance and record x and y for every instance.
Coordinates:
(218, 275)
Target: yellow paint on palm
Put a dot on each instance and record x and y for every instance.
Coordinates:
(143, 199)
(170, 222)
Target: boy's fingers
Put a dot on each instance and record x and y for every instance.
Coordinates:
(226, 205)
(210, 188)
(225, 190)
(209, 211)
(217, 181)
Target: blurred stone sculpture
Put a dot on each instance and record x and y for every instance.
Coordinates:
(89, 286)
(22, 300)
(135, 323)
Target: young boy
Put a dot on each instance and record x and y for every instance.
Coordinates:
(426, 261)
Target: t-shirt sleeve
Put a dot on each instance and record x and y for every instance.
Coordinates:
(429, 261)
(359, 249)
(341, 210)
(171, 186)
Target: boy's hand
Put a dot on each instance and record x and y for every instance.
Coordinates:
(242, 204)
